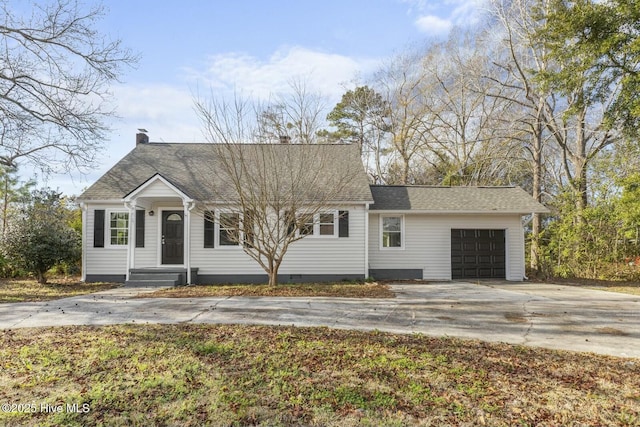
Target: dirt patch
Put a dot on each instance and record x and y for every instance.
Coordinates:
(515, 318)
(339, 290)
(612, 331)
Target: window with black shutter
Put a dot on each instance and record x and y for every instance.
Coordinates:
(98, 228)
(140, 228)
(343, 223)
(209, 229)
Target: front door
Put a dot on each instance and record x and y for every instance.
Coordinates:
(172, 237)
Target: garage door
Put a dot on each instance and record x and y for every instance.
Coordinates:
(477, 254)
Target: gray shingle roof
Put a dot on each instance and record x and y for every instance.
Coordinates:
(194, 169)
(454, 199)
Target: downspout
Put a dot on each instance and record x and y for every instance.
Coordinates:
(526, 222)
(366, 240)
(84, 208)
(188, 207)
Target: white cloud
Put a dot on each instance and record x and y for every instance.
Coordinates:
(166, 110)
(450, 13)
(467, 12)
(433, 25)
(325, 73)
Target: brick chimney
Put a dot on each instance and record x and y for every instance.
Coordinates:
(142, 137)
(285, 139)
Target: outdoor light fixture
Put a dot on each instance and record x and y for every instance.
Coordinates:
(151, 213)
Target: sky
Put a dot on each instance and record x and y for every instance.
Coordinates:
(190, 48)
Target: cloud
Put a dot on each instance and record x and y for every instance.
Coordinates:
(433, 25)
(166, 111)
(325, 73)
(450, 13)
(468, 12)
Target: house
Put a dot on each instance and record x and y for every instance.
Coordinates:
(144, 220)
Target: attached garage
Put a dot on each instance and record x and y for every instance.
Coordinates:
(478, 254)
(448, 233)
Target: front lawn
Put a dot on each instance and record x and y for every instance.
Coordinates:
(22, 290)
(337, 289)
(191, 375)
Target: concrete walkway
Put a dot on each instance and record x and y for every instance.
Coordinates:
(543, 315)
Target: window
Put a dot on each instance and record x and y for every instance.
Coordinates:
(229, 229)
(326, 224)
(209, 229)
(320, 224)
(249, 228)
(118, 228)
(306, 228)
(392, 232)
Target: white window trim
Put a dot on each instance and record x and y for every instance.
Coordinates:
(316, 226)
(402, 233)
(216, 228)
(107, 229)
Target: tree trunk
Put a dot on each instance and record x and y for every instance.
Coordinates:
(405, 171)
(42, 279)
(579, 163)
(536, 225)
(5, 205)
(274, 266)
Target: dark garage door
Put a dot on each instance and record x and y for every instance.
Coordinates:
(477, 254)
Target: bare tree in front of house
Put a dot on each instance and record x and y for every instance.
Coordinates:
(268, 196)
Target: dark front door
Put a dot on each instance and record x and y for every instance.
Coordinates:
(172, 237)
(477, 254)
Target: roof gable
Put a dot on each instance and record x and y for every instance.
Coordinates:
(156, 186)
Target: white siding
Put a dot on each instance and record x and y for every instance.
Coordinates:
(311, 255)
(157, 189)
(427, 244)
(103, 260)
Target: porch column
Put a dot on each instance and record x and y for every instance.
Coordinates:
(131, 238)
(188, 205)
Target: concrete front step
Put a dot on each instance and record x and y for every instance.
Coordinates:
(162, 274)
(154, 276)
(151, 283)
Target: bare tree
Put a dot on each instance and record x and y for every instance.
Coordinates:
(575, 121)
(520, 59)
(467, 131)
(399, 82)
(268, 196)
(296, 116)
(55, 70)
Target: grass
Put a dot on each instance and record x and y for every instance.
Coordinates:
(338, 289)
(190, 375)
(23, 290)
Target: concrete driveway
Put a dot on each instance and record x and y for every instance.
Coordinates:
(543, 315)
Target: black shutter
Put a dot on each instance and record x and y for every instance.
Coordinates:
(98, 228)
(209, 230)
(140, 228)
(290, 222)
(343, 223)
